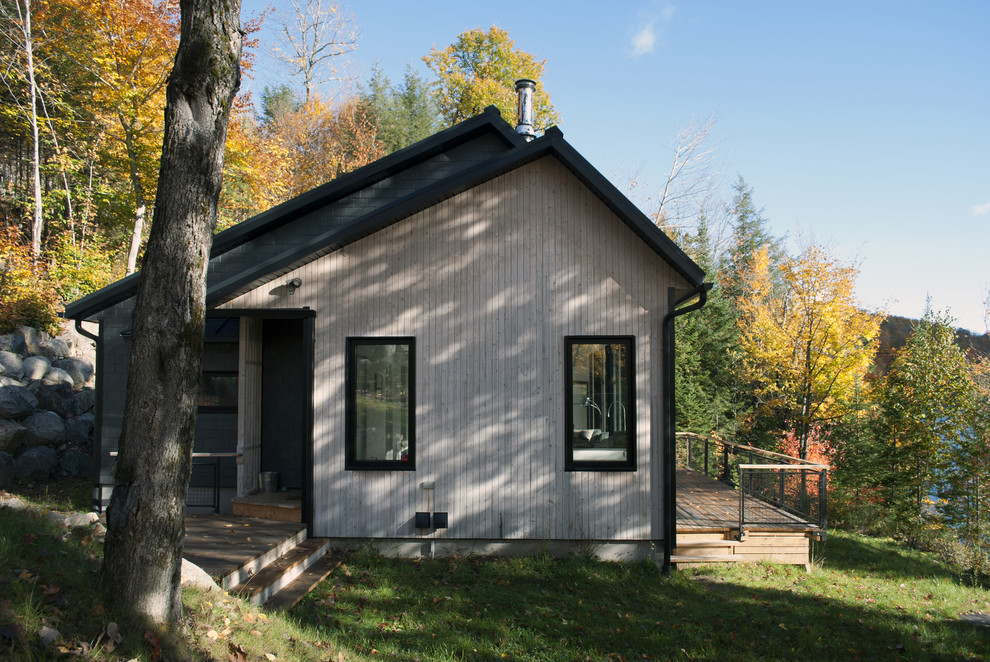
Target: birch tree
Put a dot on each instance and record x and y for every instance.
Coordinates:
(21, 35)
(314, 36)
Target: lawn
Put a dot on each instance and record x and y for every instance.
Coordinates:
(866, 598)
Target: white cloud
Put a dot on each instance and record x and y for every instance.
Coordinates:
(644, 41)
(980, 210)
(652, 26)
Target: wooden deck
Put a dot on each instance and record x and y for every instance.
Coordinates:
(704, 504)
(708, 527)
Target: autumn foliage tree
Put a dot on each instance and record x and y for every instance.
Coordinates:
(480, 69)
(807, 342)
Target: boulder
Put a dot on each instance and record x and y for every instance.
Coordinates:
(37, 463)
(16, 402)
(75, 463)
(79, 430)
(195, 577)
(11, 436)
(84, 401)
(11, 365)
(7, 342)
(35, 367)
(44, 428)
(54, 349)
(72, 520)
(7, 381)
(25, 341)
(12, 502)
(79, 370)
(8, 470)
(56, 375)
(58, 398)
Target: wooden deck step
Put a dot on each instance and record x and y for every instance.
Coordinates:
(290, 596)
(282, 571)
(695, 558)
(707, 543)
(253, 566)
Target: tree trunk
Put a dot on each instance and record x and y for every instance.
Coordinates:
(143, 549)
(140, 204)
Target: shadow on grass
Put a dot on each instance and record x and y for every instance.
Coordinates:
(50, 593)
(543, 609)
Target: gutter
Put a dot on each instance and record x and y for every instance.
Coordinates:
(669, 416)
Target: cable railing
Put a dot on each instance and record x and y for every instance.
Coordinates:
(775, 490)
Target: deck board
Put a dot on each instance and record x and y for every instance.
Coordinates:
(704, 504)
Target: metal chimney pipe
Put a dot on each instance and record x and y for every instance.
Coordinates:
(524, 108)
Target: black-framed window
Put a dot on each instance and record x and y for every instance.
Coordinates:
(600, 417)
(218, 390)
(381, 403)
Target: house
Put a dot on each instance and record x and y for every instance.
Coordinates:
(467, 342)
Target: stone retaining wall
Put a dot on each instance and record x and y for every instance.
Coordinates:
(47, 405)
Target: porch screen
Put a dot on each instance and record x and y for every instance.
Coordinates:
(380, 403)
(600, 416)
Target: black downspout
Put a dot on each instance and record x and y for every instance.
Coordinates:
(97, 412)
(669, 418)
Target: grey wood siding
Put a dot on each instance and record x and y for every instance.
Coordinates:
(489, 283)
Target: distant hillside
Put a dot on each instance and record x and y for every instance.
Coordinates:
(895, 331)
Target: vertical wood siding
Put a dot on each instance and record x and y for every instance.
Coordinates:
(489, 283)
(248, 412)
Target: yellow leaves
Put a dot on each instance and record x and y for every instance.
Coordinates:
(480, 69)
(807, 341)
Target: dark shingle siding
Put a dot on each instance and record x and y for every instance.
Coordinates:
(355, 205)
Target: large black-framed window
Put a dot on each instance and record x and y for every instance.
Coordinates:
(381, 403)
(600, 416)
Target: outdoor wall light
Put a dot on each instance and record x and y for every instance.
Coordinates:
(422, 520)
(292, 284)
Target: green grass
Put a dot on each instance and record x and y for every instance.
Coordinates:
(866, 599)
(870, 599)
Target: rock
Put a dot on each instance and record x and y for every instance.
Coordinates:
(7, 342)
(56, 375)
(11, 365)
(35, 367)
(99, 531)
(12, 502)
(79, 370)
(25, 341)
(16, 402)
(54, 349)
(37, 463)
(49, 635)
(84, 401)
(75, 463)
(7, 470)
(56, 397)
(44, 428)
(12, 435)
(7, 381)
(79, 430)
(195, 577)
(72, 520)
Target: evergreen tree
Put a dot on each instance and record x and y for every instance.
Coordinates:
(401, 115)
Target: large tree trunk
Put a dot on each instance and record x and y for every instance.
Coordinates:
(143, 549)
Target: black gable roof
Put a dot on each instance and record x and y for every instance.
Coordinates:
(516, 152)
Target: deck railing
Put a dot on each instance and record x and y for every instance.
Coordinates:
(774, 489)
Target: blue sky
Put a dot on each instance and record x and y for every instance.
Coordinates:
(864, 125)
